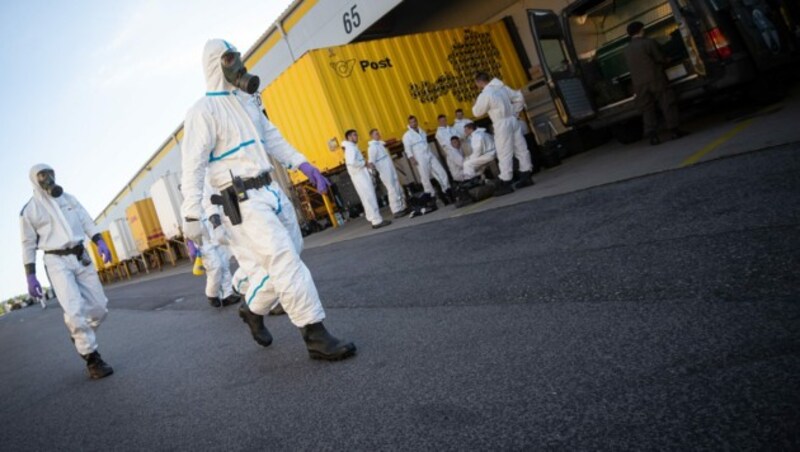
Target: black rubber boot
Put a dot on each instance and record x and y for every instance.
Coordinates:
(654, 139)
(525, 180)
(443, 196)
(215, 302)
(503, 188)
(277, 310)
(403, 213)
(450, 195)
(232, 299)
(256, 324)
(430, 204)
(96, 366)
(321, 345)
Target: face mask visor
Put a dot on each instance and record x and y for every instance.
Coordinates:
(47, 180)
(236, 74)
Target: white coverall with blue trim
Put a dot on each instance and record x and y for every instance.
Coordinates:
(47, 224)
(380, 158)
(216, 258)
(226, 132)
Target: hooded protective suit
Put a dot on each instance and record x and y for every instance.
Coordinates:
(415, 143)
(455, 159)
(503, 106)
(483, 153)
(379, 157)
(459, 124)
(362, 181)
(54, 224)
(216, 259)
(226, 133)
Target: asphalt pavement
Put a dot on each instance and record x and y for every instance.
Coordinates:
(655, 313)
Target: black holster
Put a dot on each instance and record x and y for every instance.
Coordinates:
(230, 205)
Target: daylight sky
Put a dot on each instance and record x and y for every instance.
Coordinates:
(93, 87)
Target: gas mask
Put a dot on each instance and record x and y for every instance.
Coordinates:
(47, 180)
(236, 74)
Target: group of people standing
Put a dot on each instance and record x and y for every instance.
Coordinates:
(468, 150)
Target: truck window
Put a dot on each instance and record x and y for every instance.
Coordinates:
(555, 56)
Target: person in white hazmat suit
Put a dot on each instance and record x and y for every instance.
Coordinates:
(381, 161)
(415, 143)
(362, 180)
(484, 151)
(227, 135)
(216, 260)
(503, 105)
(56, 223)
(460, 122)
(455, 158)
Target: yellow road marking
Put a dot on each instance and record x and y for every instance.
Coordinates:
(694, 158)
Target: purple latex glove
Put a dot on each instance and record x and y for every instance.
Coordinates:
(34, 288)
(105, 253)
(315, 177)
(193, 251)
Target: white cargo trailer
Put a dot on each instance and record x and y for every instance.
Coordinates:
(167, 200)
(122, 237)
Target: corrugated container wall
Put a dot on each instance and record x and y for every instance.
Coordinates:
(167, 199)
(122, 237)
(379, 83)
(144, 225)
(97, 259)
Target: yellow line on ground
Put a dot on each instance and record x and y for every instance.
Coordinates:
(694, 158)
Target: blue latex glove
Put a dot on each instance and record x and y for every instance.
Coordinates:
(315, 177)
(105, 253)
(193, 251)
(34, 288)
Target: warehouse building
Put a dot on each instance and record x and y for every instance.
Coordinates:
(330, 66)
(311, 24)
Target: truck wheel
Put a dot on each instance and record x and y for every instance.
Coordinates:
(627, 132)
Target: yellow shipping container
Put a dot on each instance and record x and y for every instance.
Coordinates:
(98, 260)
(144, 225)
(379, 83)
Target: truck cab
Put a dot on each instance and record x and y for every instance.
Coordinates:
(710, 45)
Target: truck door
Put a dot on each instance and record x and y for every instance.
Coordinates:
(559, 68)
(765, 30)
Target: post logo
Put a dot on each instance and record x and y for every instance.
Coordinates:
(344, 68)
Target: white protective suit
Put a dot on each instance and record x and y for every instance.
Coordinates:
(362, 181)
(49, 223)
(216, 259)
(455, 159)
(226, 132)
(503, 106)
(379, 157)
(415, 143)
(459, 124)
(483, 153)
